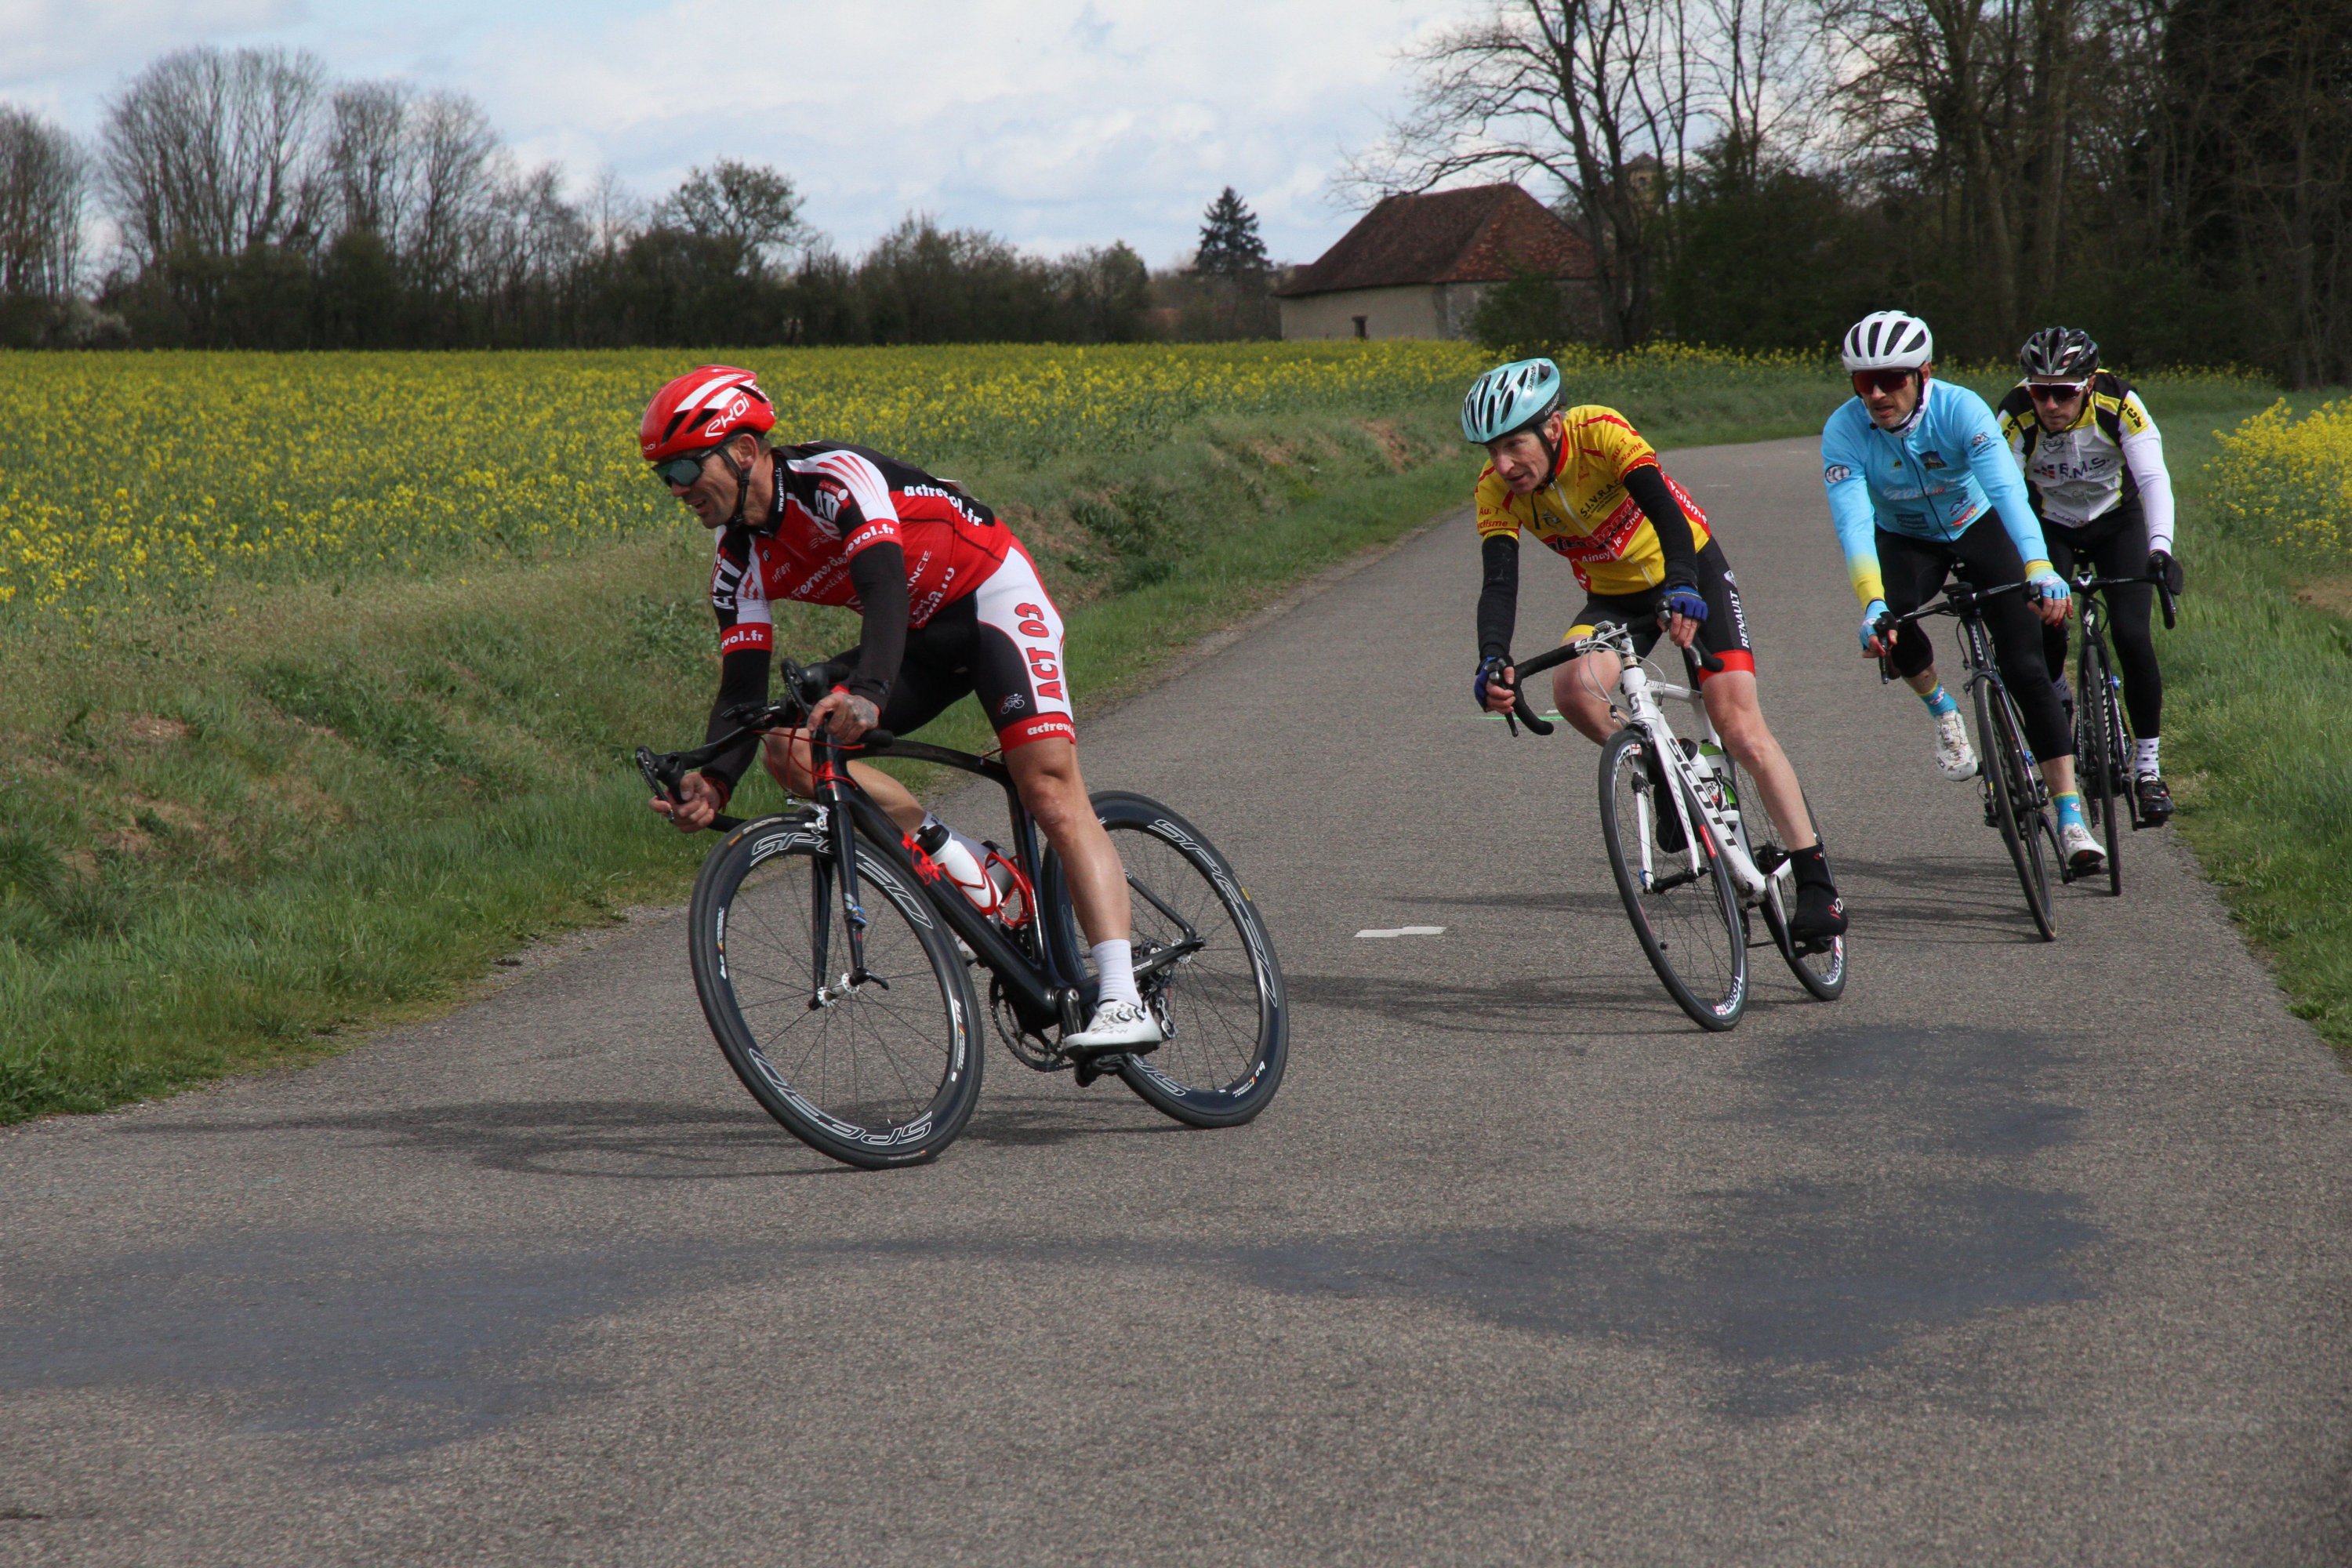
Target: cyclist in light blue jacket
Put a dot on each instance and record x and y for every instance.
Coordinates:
(1922, 485)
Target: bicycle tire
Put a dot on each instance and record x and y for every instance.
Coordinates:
(1224, 1008)
(871, 1076)
(1822, 972)
(2096, 726)
(1692, 922)
(2009, 780)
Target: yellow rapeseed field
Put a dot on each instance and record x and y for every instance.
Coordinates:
(129, 481)
(2289, 480)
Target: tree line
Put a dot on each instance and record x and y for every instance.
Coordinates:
(2175, 175)
(257, 203)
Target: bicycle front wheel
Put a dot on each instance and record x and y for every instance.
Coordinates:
(1204, 964)
(2101, 748)
(874, 1069)
(2009, 788)
(1684, 911)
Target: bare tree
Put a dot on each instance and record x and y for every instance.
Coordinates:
(458, 166)
(1582, 91)
(214, 151)
(370, 160)
(614, 214)
(41, 186)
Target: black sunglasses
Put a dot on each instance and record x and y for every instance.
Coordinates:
(2053, 392)
(1883, 381)
(681, 472)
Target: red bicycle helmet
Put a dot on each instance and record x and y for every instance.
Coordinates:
(700, 409)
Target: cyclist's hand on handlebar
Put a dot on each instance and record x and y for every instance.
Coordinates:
(844, 715)
(700, 798)
(2051, 599)
(1877, 641)
(1681, 611)
(1495, 685)
(2166, 570)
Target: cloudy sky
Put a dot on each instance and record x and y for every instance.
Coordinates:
(1053, 122)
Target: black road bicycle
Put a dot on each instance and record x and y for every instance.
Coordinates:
(835, 963)
(2016, 799)
(2103, 740)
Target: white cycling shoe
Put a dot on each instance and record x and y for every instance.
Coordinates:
(1116, 1027)
(1955, 759)
(2083, 852)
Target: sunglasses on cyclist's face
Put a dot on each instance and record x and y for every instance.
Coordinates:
(679, 473)
(1886, 383)
(2053, 391)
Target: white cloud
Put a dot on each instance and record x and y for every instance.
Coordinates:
(1056, 122)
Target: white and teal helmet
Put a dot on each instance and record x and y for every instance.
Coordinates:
(1509, 398)
(1887, 340)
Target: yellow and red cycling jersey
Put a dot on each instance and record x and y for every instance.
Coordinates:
(1584, 514)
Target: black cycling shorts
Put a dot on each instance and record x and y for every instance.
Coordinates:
(1003, 640)
(1724, 633)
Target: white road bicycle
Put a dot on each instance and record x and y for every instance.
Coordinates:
(1687, 864)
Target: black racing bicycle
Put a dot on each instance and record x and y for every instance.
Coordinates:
(2016, 799)
(2103, 739)
(836, 962)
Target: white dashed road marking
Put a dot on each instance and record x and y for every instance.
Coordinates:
(1377, 934)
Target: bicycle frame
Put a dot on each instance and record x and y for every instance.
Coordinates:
(1636, 698)
(1048, 990)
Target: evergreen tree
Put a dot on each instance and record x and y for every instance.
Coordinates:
(1230, 246)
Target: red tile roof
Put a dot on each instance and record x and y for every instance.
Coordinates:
(1473, 236)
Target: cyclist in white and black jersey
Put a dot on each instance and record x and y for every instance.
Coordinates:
(2093, 466)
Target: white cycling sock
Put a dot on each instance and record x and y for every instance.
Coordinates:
(2146, 766)
(1115, 967)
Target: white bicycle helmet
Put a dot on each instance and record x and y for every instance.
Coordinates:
(1508, 398)
(1889, 340)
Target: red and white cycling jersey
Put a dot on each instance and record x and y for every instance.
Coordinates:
(833, 500)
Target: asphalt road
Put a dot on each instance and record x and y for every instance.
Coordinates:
(2017, 1254)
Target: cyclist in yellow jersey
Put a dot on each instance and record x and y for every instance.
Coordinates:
(1583, 481)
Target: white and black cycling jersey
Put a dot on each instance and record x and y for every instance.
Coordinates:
(2111, 454)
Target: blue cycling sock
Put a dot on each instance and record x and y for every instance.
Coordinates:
(2070, 808)
(1940, 701)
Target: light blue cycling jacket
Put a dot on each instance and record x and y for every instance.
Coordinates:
(1929, 482)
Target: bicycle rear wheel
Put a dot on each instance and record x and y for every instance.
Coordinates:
(1820, 970)
(2097, 725)
(875, 1071)
(1685, 915)
(1220, 998)
(2008, 784)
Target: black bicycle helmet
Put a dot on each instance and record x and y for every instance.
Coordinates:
(2059, 354)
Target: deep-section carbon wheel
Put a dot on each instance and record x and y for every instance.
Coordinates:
(1203, 962)
(1820, 970)
(2016, 809)
(2106, 767)
(1683, 909)
(876, 1069)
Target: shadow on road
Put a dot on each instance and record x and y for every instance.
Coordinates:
(640, 1141)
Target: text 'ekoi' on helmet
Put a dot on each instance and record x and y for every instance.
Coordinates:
(700, 409)
(1510, 398)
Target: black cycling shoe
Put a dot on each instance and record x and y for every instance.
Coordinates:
(1668, 828)
(1820, 914)
(2155, 800)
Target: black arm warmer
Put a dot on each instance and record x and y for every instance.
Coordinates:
(1648, 488)
(878, 573)
(1498, 597)
(743, 677)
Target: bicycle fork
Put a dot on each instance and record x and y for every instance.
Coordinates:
(825, 765)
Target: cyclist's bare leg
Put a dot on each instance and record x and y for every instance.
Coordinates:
(787, 756)
(1926, 682)
(2058, 773)
(1731, 703)
(1047, 773)
(1579, 690)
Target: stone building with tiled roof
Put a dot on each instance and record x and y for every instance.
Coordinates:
(1416, 267)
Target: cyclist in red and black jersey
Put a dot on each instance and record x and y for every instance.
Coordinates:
(949, 604)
